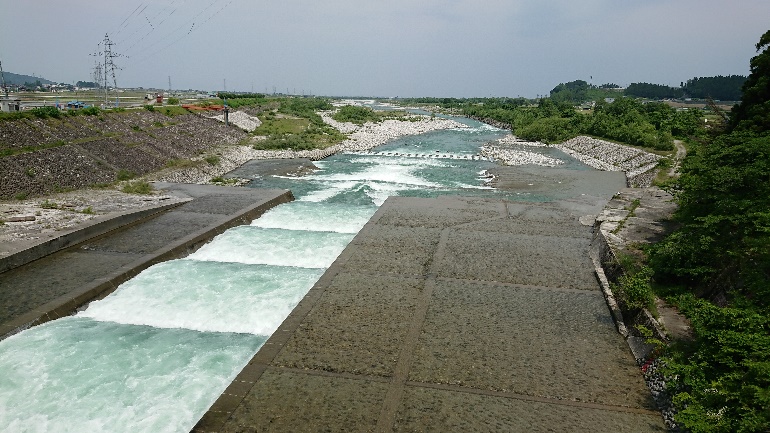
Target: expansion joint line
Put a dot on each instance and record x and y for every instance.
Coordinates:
(395, 392)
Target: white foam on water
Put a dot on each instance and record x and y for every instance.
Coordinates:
(411, 162)
(256, 245)
(400, 174)
(306, 215)
(207, 297)
(80, 375)
(330, 190)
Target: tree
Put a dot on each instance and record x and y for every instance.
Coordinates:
(753, 113)
(719, 87)
(653, 91)
(574, 92)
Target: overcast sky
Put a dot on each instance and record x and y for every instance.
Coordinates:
(457, 48)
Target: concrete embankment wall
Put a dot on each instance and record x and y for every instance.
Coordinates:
(57, 285)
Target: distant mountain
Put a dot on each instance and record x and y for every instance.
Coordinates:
(12, 79)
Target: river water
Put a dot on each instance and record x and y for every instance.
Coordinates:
(155, 354)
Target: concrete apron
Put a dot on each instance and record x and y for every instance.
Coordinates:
(449, 314)
(93, 266)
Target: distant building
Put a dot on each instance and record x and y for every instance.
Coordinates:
(10, 105)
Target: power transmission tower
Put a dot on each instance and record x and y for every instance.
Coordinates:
(108, 65)
(97, 75)
(169, 84)
(2, 75)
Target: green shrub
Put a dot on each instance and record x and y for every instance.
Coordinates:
(212, 159)
(173, 101)
(634, 290)
(43, 112)
(356, 114)
(149, 107)
(724, 375)
(91, 111)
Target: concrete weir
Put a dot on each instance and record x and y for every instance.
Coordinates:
(91, 262)
(449, 314)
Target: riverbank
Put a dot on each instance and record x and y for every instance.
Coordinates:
(360, 138)
(639, 166)
(43, 217)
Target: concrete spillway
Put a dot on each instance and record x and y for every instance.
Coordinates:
(449, 314)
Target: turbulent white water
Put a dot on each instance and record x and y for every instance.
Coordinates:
(155, 354)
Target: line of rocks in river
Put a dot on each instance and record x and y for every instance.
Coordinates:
(510, 150)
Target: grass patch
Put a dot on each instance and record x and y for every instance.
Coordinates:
(88, 211)
(137, 187)
(125, 175)
(49, 204)
(212, 159)
(285, 125)
(173, 111)
(219, 180)
(27, 149)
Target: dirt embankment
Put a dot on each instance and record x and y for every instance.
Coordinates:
(49, 155)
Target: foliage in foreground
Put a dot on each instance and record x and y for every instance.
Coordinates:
(724, 383)
(719, 259)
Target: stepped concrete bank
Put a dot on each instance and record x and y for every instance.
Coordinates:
(92, 261)
(453, 314)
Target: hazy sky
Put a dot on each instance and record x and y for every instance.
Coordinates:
(456, 48)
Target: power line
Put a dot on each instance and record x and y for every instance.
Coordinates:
(193, 26)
